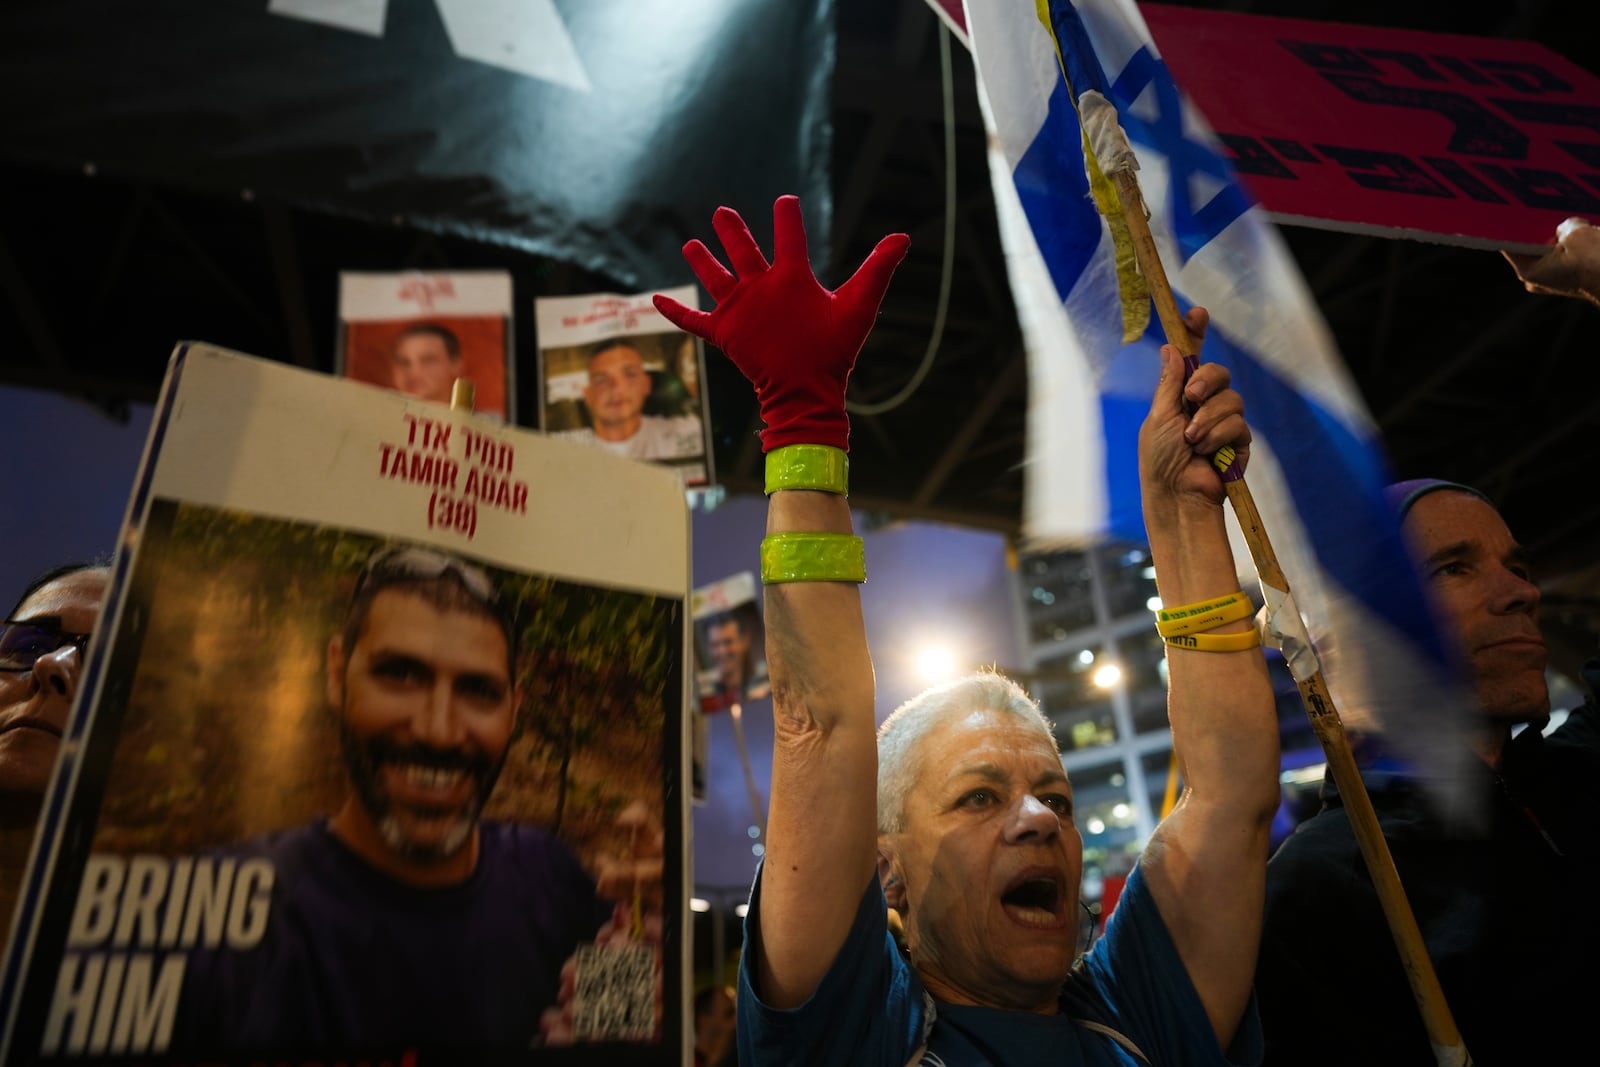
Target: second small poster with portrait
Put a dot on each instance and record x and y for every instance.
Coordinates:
(729, 646)
(730, 671)
(417, 333)
(615, 375)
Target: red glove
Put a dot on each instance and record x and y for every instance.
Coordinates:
(792, 338)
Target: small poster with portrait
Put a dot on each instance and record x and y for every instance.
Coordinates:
(616, 376)
(416, 333)
(729, 646)
(380, 752)
(730, 671)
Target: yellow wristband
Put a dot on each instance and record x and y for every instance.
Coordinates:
(1205, 615)
(1216, 642)
(821, 467)
(812, 557)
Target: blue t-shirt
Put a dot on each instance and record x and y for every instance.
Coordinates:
(871, 1008)
(351, 958)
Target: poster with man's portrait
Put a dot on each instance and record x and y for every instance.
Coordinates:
(730, 670)
(729, 645)
(615, 375)
(384, 759)
(417, 333)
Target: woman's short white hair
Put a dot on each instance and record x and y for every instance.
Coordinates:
(901, 735)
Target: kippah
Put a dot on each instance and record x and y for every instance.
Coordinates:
(1401, 495)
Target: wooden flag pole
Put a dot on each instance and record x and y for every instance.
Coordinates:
(1117, 161)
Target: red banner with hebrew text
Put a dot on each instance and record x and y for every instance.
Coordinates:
(1467, 140)
(1463, 140)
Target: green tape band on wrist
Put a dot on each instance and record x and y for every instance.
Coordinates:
(812, 557)
(821, 467)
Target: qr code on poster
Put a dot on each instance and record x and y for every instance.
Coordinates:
(615, 995)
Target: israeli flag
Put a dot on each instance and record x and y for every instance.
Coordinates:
(1317, 468)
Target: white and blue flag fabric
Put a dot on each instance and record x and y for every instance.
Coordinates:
(1317, 467)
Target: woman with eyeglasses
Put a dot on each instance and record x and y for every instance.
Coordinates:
(41, 653)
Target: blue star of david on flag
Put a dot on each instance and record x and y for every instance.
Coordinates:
(1317, 465)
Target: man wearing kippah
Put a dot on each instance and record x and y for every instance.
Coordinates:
(405, 919)
(1508, 912)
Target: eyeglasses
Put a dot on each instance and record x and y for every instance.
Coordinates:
(22, 644)
(412, 563)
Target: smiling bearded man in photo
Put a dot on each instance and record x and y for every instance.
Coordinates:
(406, 917)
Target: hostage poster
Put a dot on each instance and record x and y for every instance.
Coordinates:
(417, 333)
(384, 759)
(730, 645)
(618, 377)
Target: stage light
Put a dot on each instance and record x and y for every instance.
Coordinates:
(936, 663)
(696, 904)
(1107, 675)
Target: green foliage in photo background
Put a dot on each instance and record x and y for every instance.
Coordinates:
(228, 733)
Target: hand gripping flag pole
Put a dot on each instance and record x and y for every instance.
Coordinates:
(1109, 145)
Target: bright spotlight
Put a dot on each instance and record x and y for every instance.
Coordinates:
(697, 904)
(1153, 604)
(1096, 826)
(1120, 811)
(1085, 656)
(936, 663)
(1107, 675)
(741, 910)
